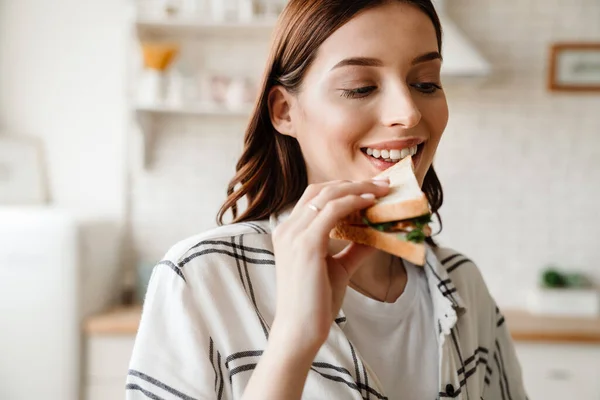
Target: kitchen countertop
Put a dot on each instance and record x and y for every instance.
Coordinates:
(523, 326)
(118, 321)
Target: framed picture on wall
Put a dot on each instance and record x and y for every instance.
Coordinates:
(22, 178)
(574, 67)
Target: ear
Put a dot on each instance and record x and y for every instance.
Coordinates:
(280, 105)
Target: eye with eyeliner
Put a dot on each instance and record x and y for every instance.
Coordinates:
(358, 93)
(427, 87)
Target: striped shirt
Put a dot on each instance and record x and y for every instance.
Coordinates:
(211, 302)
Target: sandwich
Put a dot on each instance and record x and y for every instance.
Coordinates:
(397, 223)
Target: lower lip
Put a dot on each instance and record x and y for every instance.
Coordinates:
(382, 165)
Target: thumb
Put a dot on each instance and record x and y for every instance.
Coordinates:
(352, 256)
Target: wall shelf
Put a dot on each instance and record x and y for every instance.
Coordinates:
(202, 110)
(180, 25)
(207, 44)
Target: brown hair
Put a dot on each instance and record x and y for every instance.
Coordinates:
(271, 173)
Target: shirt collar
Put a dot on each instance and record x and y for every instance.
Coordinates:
(448, 306)
(277, 218)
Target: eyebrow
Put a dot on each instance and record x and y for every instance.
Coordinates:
(433, 55)
(374, 62)
(360, 62)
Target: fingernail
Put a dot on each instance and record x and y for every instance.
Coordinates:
(381, 178)
(368, 196)
(381, 182)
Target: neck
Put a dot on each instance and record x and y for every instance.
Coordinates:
(375, 270)
(373, 277)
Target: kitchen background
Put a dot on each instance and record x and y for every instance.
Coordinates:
(520, 164)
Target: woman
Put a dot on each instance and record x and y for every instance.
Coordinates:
(269, 307)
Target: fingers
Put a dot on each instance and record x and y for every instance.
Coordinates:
(329, 193)
(313, 190)
(335, 210)
(334, 201)
(309, 194)
(336, 191)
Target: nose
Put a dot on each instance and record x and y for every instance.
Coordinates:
(400, 109)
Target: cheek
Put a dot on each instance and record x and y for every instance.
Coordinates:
(438, 120)
(329, 122)
(329, 133)
(435, 119)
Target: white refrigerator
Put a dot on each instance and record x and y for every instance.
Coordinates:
(39, 317)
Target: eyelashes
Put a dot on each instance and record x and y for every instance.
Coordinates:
(427, 88)
(358, 92)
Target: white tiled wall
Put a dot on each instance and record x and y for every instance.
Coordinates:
(520, 166)
(521, 173)
(181, 193)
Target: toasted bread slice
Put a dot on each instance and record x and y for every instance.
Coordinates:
(405, 200)
(388, 242)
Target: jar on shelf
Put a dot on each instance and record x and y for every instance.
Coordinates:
(245, 10)
(219, 89)
(154, 79)
(194, 8)
(223, 10)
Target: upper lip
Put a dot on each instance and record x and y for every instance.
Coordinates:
(396, 144)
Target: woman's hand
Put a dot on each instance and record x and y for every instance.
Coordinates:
(310, 283)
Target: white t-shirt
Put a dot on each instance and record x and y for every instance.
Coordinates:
(397, 340)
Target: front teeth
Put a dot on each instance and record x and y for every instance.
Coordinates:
(392, 154)
(395, 154)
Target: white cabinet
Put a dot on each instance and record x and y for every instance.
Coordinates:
(560, 371)
(107, 364)
(105, 391)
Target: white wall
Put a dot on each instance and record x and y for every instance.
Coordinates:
(62, 73)
(520, 166)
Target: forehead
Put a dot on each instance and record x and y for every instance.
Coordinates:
(395, 32)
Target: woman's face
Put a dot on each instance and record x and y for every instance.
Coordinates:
(373, 90)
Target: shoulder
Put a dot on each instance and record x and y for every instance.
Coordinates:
(224, 245)
(216, 236)
(453, 260)
(464, 274)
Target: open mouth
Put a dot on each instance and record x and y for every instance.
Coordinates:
(392, 156)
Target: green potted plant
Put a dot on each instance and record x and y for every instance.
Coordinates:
(564, 293)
